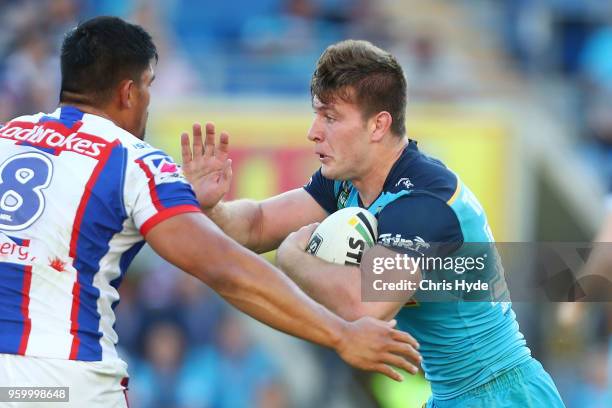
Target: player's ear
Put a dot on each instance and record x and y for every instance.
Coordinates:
(126, 93)
(380, 125)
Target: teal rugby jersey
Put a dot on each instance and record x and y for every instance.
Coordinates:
(463, 344)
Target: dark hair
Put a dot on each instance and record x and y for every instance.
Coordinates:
(361, 73)
(99, 53)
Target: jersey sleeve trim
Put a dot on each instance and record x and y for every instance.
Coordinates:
(318, 199)
(164, 215)
(152, 187)
(455, 194)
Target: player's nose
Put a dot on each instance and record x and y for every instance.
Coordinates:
(315, 133)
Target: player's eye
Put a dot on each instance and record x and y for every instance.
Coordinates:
(329, 119)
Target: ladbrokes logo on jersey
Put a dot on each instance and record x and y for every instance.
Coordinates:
(51, 136)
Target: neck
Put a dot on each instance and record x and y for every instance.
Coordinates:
(84, 103)
(109, 110)
(371, 184)
(86, 108)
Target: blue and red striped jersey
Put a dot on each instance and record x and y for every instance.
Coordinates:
(77, 196)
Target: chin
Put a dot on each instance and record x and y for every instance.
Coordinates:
(330, 173)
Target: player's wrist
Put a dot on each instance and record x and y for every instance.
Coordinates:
(339, 335)
(284, 256)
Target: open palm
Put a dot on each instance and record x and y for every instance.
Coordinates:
(207, 166)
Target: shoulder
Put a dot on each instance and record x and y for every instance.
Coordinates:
(419, 216)
(420, 207)
(428, 175)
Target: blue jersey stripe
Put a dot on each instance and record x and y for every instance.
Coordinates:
(19, 241)
(176, 193)
(103, 217)
(124, 263)
(50, 150)
(12, 292)
(69, 115)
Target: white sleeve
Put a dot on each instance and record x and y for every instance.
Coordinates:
(155, 189)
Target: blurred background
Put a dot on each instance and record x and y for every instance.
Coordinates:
(514, 95)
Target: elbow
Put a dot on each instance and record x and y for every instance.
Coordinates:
(254, 239)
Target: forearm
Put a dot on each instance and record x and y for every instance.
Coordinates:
(252, 285)
(261, 226)
(245, 280)
(240, 219)
(338, 287)
(335, 286)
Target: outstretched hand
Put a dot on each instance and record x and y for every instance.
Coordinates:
(375, 345)
(206, 165)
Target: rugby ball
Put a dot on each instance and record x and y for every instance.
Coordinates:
(343, 236)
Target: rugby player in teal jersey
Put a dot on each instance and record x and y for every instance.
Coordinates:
(473, 352)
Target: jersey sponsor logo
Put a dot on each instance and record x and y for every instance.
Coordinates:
(15, 250)
(162, 167)
(51, 136)
(167, 167)
(405, 181)
(345, 191)
(416, 244)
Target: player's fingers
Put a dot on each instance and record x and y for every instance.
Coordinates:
(197, 140)
(405, 338)
(406, 352)
(389, 372)
(400, 362)
(185, 149)
(224, 143)
(227, 173)
(311, 227)
(209, 142)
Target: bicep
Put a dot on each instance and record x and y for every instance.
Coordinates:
(285, 213)
(190, 241)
